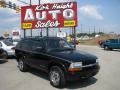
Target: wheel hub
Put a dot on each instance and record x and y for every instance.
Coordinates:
(55, 77)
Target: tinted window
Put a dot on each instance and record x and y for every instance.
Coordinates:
(25, 45)
(37, 43)
(114, 41)
(57, 44)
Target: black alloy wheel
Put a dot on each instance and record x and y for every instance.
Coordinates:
(21, 65)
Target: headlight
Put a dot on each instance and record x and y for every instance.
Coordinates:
(77, 66)
(97, 60)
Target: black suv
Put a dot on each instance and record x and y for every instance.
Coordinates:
(56, 57)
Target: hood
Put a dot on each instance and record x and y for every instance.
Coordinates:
(75, 56)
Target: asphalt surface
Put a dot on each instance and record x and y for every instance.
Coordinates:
(107, 79)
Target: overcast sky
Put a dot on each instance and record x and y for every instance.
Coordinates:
(103, 14)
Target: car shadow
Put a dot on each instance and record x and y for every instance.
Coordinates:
(70, 85)
(117, 50)
(39, 73)
(11, 57)
(3, 61)
(81, 83)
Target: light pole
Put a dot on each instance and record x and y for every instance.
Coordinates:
(39, 2)
(30, 5)
(23, 2)
(41, 28)
(89, 32)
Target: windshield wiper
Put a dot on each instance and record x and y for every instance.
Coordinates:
(68, 48)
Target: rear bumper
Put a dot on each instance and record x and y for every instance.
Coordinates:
(11, 53)
(86, 72)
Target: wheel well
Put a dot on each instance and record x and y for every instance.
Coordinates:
(57, 64)
(105, 46)
(18, 57)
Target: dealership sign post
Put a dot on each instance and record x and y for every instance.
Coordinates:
(54, 15)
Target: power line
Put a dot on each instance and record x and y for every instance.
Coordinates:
(23, 2)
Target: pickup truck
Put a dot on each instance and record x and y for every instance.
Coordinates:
(111, 44)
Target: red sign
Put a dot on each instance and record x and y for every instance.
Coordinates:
(49, 15)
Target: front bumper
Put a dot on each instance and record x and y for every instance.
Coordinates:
(86, 72)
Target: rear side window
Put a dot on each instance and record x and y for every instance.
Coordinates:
(24, 45)
(114, 41)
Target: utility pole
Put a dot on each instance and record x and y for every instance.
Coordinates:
(30, 5)
(99, 30)
(94, 32)
(41, 28)
(72, 33)
(47, 32)
(74, 36)
(24, 33)
(89, 32)
(41, 32)
(31, 29)
(81, 28)
(39, 2)
(23, 2)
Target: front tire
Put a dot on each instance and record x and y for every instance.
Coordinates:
(21, 65)
(57, 77)
(106, 48)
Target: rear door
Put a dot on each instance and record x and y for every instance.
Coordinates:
(24, 48)
(38, 58)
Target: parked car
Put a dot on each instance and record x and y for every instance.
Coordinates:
(111, 44)
(3, 56)
(56, 57)
(8, 47)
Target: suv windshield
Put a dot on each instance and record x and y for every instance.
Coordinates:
(58, 44)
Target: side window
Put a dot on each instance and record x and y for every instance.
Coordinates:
(24, 45)
(108, 41)
(115, 41)
(0, 44)
(37, 43)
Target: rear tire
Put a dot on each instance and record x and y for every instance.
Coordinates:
(57, 77)
(21, 65)
(5, 54)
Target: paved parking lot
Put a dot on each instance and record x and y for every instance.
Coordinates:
(107, 79)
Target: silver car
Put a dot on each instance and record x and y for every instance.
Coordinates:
(8, 47)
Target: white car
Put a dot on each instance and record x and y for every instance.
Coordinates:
(8, 47)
